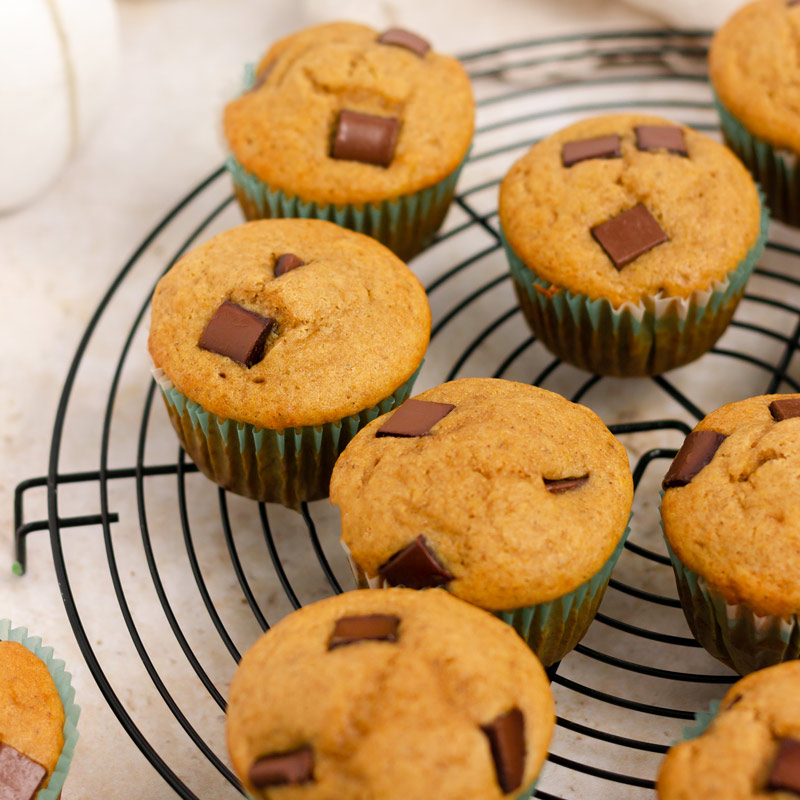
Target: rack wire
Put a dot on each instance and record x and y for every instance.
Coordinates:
(160, 570)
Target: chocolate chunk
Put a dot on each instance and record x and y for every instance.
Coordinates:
(372, 627)
(286, 263)
(584, 149)
(661, 137)
(415, 566)
(791, 3)
(414, 418)
(506, 735)
(403, 38)
(280, 769)
(785, 773)
(20, 776)
(366, 138)
(629, 235)
(785, 408)
(696, 452)
(237, 333)
(562, 485)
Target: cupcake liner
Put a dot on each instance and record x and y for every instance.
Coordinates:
(289, 466)
(702, 719)
(406, 224)
(637, 339)
(63, 682)
(774, 168)
(733, 632)
(551, 629)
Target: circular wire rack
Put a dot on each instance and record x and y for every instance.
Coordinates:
(174, 578)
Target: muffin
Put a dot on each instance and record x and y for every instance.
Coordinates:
(37, 718)
(731, 516)
(385, 695)
(274, 342)
(630, 239)
(751, 749)
(756, 79)
(363, 129)
(510, 496)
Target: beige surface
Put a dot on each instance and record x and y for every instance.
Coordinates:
(282, 131)
(474, 488)
(389, 721)
(732, 759)
(707, 205)
(353, 323)
(31, 714)
(738, 522)
(755, 70)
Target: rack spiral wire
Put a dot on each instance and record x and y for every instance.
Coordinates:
(177, 578)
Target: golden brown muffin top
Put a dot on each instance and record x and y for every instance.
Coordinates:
(282, 130)
(706, 203)
(755, 70)
(352, 326)
(737, 522)
(475, 488)
(733, 759)
(389, 720)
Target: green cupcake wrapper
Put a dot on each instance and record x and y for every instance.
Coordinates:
(776, 170)
(634, 340)
(702, 719)
(288, 466)
(63, 682)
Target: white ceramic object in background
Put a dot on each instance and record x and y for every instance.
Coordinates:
(707, 14)
(58, 63)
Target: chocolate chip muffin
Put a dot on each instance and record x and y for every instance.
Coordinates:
(751, 749)
(384, 695)
(365, 129)
(731, 515)
(512, 497)
(630, 240)
(275, 342)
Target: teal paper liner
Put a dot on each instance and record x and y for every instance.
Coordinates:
(702, 719)
(777, 171)
(63, 682)
(592, 334)
(289, 466)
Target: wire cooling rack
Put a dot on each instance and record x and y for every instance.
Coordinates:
(167, 579)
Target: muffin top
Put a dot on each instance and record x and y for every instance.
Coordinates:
(343, 331)
(606, 210)
(482, 492)
(31, 717)
(736, 522)
(755, 70)
(389, 695)
(747, 753)
(284, 130)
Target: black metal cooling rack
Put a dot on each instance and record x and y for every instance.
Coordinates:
(161, 570)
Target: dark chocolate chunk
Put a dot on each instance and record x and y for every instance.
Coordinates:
(506, 735)
(403, 38)
(629, 235)
(20, 776)
(791, 3)
(661, 137)
(286, 263)
(786, 407)
(237, 333)
(371, 627)
(696, 452)
(415, 566)
(414, 418)
(584, 149)
(280, 769)
(785, 773)
(366, 138)
(564, 484)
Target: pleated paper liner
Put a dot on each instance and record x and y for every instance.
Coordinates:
(637, 339)
(63, 682)
(289, 466)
